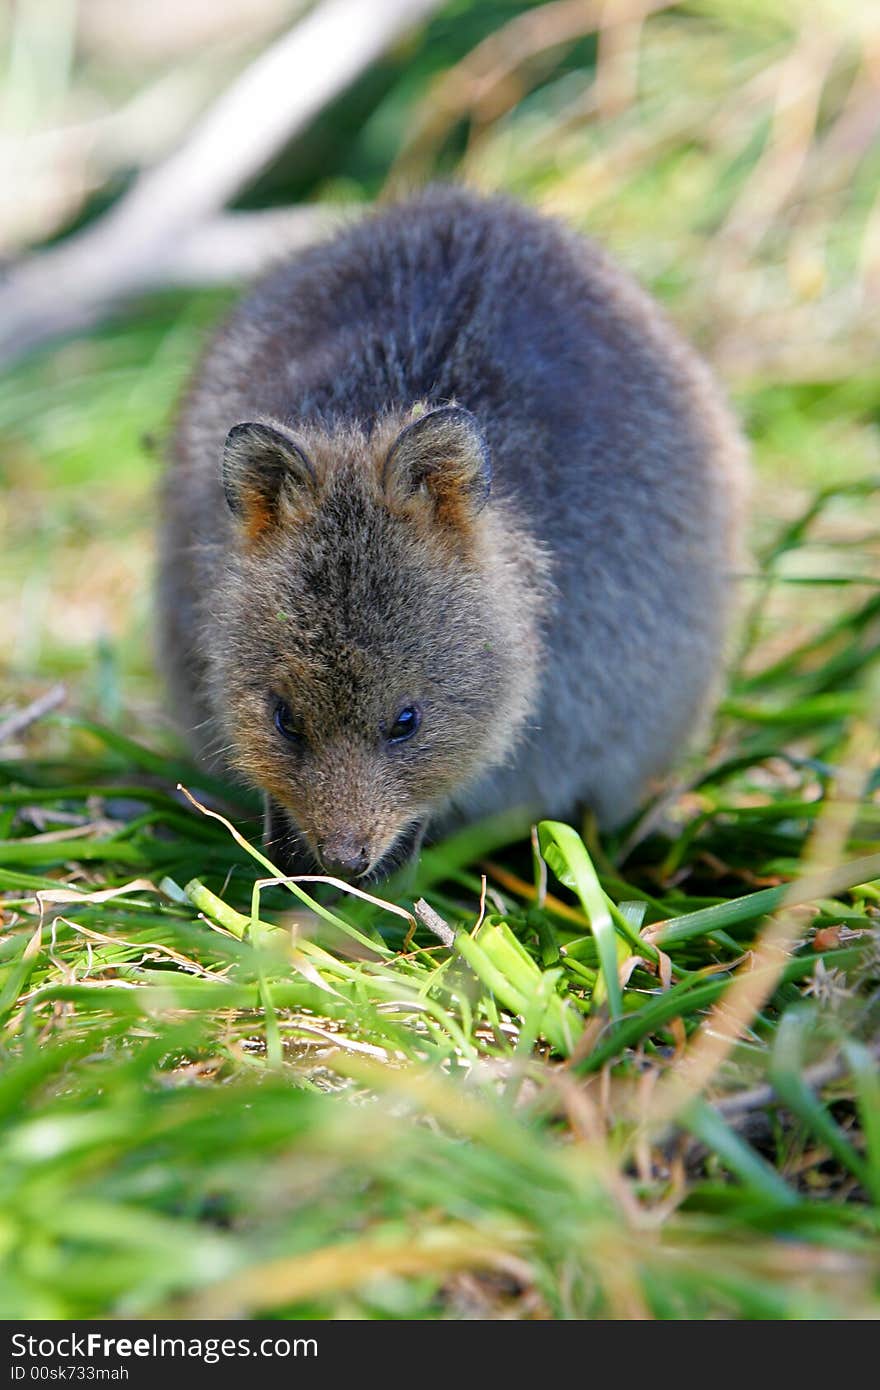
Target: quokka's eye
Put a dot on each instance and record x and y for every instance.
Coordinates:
(287, 724)
(405, 725)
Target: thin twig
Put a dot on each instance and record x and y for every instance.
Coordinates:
(434, 922)
(758, 1097)
(22, 719)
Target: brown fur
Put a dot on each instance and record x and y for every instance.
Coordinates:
(354, 676)
(468, 465)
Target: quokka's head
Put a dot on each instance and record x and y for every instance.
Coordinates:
(374, 639)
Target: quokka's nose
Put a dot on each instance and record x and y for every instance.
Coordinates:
(344, 856)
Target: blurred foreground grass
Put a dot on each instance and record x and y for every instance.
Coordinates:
(226, 1106)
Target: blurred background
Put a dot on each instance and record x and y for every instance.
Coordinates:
(154, 157)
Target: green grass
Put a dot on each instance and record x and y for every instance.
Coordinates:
(601, 1091)
(221, 1096)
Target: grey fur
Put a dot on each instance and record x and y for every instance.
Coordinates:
(566, 638)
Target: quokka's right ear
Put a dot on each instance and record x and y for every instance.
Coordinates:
(262, 464)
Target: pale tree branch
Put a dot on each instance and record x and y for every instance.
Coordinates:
(154, 231)
(236, 246)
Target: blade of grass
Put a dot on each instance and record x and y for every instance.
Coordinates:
(567, 856)
(787, 1065)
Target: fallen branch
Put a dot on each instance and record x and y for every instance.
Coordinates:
(141, 243)
(236, 246)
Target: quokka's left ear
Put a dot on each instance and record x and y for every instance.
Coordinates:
(444, 456)
(261, 464)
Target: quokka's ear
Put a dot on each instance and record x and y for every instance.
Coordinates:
(260, 463)
(443, 455)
